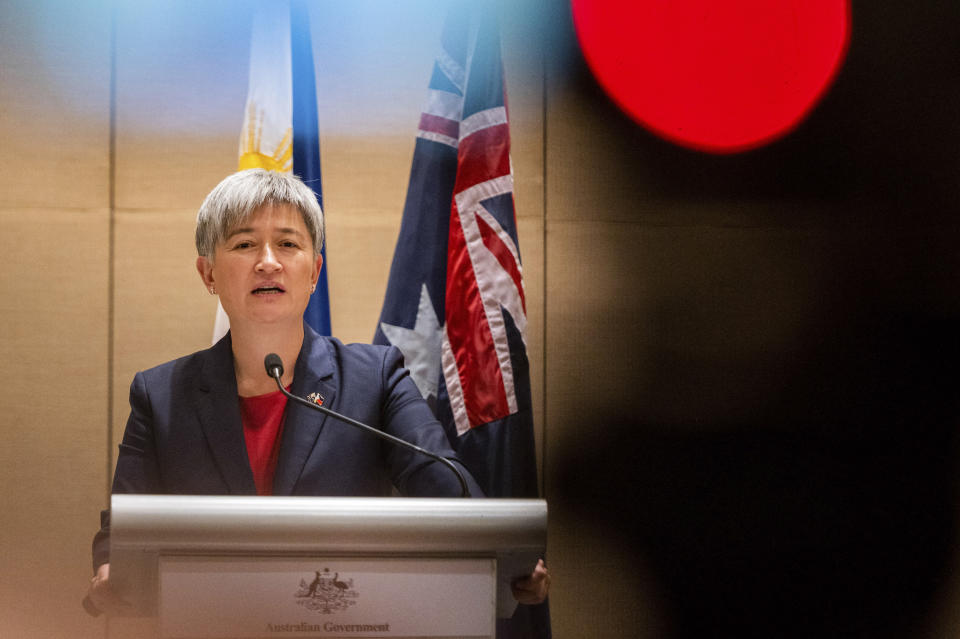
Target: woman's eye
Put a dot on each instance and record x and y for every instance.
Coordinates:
(243, 245)
(288, 244)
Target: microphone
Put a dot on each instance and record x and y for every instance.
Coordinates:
(274, 366)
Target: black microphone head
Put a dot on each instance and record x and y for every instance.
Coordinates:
(274, 365)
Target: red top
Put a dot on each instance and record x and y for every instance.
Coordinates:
(262, 426)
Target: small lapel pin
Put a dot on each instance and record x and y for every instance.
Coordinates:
(316, 398)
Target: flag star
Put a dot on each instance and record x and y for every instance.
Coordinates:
(420, 346)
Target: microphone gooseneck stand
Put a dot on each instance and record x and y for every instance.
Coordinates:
(274, 366)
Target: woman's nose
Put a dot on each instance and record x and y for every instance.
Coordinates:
(268, 260)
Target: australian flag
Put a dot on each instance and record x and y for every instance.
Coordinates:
(455, 300)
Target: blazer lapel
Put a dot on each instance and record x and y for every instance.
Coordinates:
(313, 373)
(219, 412)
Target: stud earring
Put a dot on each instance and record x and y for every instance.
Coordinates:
(213, 290)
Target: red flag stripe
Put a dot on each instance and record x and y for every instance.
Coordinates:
(469, 333)
(438, 124)
(503, 254)
(483, 156)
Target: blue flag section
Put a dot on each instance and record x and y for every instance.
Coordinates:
(455, 302)
(306, 145)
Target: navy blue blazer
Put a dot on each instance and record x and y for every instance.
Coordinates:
(185, 435)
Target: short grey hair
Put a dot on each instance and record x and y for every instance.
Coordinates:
(236, 198)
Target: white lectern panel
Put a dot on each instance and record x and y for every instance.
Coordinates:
(326, 597)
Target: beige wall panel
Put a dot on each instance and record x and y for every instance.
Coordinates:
(684, 322)
(156, 172)
(55, 84)
(359, 264)
(585, 329)
(181, 88)
(162, 311)
(522, 50)
(599, 588)
(365, 184)
(358, 276)
(586, 180)
(530, 232)
(54, 340)
(367, 173)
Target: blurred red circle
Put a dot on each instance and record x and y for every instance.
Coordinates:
(714, 75)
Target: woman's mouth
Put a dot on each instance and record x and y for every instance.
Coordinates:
(268, 290)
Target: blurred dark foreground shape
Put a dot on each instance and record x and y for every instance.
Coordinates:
(831, 513)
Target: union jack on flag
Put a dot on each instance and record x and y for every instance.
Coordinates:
(484, 277)
(455, 301)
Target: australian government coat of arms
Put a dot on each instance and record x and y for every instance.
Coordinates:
(327, 593)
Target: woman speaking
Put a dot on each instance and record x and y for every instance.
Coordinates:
(214, 423)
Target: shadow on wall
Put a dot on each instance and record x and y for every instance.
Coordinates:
(831, 513)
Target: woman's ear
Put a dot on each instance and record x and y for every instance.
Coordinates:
(205, 269)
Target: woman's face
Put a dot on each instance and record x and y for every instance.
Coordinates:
(264, 270)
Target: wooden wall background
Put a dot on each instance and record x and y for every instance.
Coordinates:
(699, 325)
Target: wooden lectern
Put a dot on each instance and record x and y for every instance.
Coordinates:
(322, 566)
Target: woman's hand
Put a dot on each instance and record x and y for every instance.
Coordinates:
(101, 595)
(533, 589)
